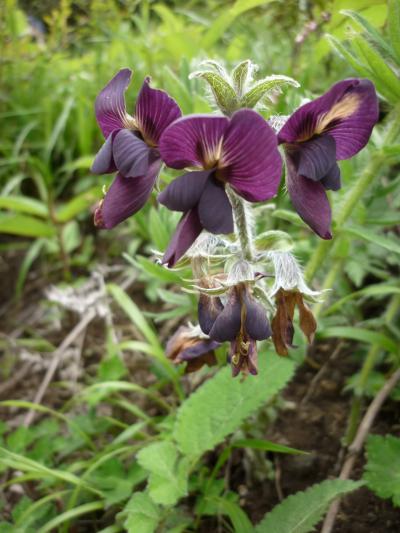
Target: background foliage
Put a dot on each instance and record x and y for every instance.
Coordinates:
(139, 448)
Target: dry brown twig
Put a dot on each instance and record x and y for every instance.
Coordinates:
(358, 442)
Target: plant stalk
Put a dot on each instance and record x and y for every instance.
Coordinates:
(368, 366)
(244, 225)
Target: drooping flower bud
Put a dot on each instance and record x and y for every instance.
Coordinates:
(191, 346)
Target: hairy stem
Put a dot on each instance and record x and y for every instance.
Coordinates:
(243, 222)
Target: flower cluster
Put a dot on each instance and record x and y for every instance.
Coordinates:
(226, 160)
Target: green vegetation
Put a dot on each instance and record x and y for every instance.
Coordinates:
(119, 439)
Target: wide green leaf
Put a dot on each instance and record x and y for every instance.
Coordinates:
(301, 512)
(142, 514)
(168, 474)
(382, 471)
(220, 405)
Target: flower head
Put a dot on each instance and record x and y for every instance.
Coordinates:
(242, 321)
(240, 152)
(333, 127)
(131, 145)
(282, 323)
(190, 345)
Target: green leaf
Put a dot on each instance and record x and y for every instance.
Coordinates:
(265, 445)
(375, 238)
(382, 72)
(373, 35)
(220, 405)
(301, 512)
(31, 255)
(265, 87)
(24, 204)
(393, 22)
(378, 290)
(353, 61)
(224, 94)
(168, 476)
(142, 513)
(222, 23)
(274, 240)
(360, 334)
(72, 513)
(240, 76)
(78, 204)
(25, 226)
(382, 471)
(239, 519)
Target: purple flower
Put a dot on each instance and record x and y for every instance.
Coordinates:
(242, 321)
(189, 345)
(333, 127)
(131, 146)
(241, 151)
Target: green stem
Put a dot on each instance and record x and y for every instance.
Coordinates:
(243, 224)
(368, 366)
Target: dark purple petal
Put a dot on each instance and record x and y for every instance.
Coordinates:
(256, 324)
(155, 111)
(104, 162)
(208, 310)
(131, 154)
(110, 104)
(215, 210)
(332, 181)
(126, 196)
(198, 349)
(348, 112)
(184, 192)
(187, 231)
(251, 157)
(227, 325)
(316, 157)
(310, 201)
(193, 141)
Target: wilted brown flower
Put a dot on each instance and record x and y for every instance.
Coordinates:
(189, 345)
(282, 323)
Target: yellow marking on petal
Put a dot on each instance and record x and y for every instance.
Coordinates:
(342, 109)
(212, 154)
(129, 122)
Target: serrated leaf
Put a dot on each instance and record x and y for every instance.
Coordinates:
(264, 88)
(382, 471)
(224, 94)
(240, 75)
(168, 476)
(143, 514)
(393, 22)
(220, 405)
(301, 512)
